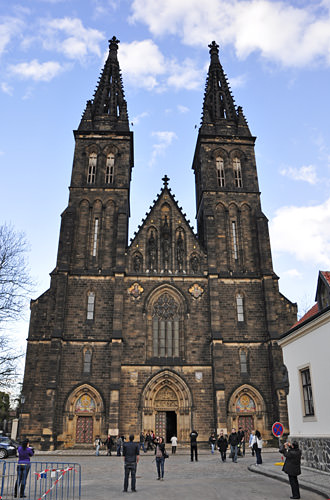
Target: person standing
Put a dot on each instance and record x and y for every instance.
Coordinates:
(241, 445)
(233, 441)
(291, 465)
(257, 446)
(119, 443)
(174, 442)
(193, 445)
(142, 439)
(160, 453)
(212, 442)
(131, 455)
(23, 466)
(222, 445)
(250, 443)
(97, 444)
(109, 444)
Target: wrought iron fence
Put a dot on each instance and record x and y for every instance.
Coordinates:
(40, 480)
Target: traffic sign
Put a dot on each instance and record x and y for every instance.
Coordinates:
(277, 429)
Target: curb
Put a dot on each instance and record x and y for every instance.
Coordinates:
(305, 486)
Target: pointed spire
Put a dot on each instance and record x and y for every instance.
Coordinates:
(219, 106)
(108, 109)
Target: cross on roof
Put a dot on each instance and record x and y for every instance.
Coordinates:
(165, 179)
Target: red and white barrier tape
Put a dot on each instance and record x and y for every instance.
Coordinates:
(63, 471)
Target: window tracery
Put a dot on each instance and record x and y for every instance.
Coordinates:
(237, 172)
(92, 168)
(109, 168)
(165, 326)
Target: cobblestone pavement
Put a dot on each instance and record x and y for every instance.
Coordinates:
(209, 478)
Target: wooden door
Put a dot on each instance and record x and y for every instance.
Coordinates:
(84, 430)
(247, 424)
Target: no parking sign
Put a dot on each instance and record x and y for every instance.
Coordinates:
(277, 429)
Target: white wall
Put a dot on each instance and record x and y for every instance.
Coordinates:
(309, 347)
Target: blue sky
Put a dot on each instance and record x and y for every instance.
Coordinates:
(277, 58)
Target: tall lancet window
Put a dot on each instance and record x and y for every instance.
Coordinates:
(234, 236)
(92, 168)
(110, 168)
(165, 327)
(220, 172)
(243, 361)
(87, 361)
(90, 305)
(237, 172)
(95, 237)
(240, 307)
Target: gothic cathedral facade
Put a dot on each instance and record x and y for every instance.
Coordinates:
(175, 330)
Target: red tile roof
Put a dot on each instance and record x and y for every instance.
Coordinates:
(311, 312)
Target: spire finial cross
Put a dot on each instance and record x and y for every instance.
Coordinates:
(165, 180)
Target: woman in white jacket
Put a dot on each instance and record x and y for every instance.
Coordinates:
(257, 446)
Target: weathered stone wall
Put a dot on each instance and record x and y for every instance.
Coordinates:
(315, 452)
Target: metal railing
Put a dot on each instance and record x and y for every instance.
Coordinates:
(40, 480)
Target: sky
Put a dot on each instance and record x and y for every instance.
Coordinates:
(277, 59)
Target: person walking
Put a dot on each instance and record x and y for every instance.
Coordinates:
(109, 444)
(119, 444)
(222, 445)
(174, 442)
(292, 466)
(160, 453)
(131, 455)
(193, 445)
(241, 445)
(212, 442)
(97, 444)
(142, 439)
(257, 446)
(233, 441)
(23, 467)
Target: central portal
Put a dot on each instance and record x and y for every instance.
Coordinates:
(166, 406)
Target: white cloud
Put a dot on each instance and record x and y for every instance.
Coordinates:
(292, 273)
(303, 232)
(36, 71)
(306, 173)
(184, 75)
(136, 119)
(182, 109)
(6, 88)
(69, 37)
(164, 140)
(9, 28)
(280, 32)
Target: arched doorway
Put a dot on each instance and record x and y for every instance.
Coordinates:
(83, 416)
(166, 406)
(247, 410)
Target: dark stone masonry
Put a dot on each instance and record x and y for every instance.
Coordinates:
(315, 452)
(175, 330)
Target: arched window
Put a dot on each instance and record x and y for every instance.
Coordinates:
(87, 361)
(240, 307)
(109, 168)
(90, 305)
(165, 327)
(220, 171)
(243, 361)
(234, 236)
(91, 168)
(237, 172)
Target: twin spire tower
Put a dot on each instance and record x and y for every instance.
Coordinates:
(175, 330)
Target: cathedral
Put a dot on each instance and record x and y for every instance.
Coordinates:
(176, 330)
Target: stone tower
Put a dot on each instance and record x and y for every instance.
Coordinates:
(174, 330)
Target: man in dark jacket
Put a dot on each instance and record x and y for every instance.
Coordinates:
(292, 465)
(131, 459)
(233, 441)
(222, 445)
(193, 445)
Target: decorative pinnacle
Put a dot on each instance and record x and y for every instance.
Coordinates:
(165, 180)
(113, 47)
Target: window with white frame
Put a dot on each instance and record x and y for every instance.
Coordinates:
(234, 236)
(95, 237)
(90, 305)
(237, 172)
(220, 171)
(87, 361)
(240, 307)
(91, 168)
(306, 384)
(109, 170)
(243, 361)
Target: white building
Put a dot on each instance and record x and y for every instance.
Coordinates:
(306, 353)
